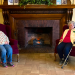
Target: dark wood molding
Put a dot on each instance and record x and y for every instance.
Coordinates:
(21, 16)
(69, 15)
(6, 17)
(37, 7)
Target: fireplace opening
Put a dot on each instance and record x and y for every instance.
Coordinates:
(38, 36)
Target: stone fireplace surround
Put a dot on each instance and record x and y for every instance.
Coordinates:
(23, 31)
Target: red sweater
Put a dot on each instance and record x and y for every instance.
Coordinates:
(67, 37)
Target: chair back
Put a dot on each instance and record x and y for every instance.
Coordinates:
(65, 27)
(6, 29)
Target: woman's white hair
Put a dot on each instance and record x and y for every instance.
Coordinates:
(71, 22)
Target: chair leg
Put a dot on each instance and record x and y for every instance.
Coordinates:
(55, 56)
(17, 57)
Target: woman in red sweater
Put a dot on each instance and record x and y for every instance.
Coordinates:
(66, 43)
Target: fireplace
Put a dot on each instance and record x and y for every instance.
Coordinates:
(32, 16)
(38, 16)
(39, 36)
(44, 32)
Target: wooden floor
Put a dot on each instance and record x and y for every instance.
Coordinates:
(38, 64)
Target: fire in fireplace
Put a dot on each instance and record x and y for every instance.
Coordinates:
(39, 36)
(38, 42)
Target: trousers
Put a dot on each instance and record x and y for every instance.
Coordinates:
(6, 50)
(63, 49)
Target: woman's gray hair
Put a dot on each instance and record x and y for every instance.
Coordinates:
(71, 22)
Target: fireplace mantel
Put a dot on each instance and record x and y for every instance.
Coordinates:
(44, 12)
(67, 10)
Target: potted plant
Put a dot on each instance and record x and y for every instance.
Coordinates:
(25, 2)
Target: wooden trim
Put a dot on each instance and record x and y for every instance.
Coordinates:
(36, 6)
(14, 17)
(19, 16)
(12, 26)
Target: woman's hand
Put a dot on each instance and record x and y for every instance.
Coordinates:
(61, 40)
(6, 43)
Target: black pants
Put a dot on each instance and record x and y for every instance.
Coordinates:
(63, 48)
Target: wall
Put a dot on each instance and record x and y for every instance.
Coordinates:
(1, 17)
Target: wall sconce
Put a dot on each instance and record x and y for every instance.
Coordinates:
(72, 2)
(1, 2)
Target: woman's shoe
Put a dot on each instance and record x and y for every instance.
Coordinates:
(61, 62)
(10, 64)
(4, 65)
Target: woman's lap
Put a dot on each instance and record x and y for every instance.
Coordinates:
(5, 48)
(64, 48)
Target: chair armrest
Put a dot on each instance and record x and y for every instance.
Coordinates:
(57, 41)
(13, 41)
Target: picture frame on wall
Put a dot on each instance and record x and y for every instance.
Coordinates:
(10, 2)
(58, 2)
(64, 2)
(16, 2)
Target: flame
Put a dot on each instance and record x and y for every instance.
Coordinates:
(38, 42)
(38, 39)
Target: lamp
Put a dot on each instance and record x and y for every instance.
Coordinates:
(72, 2)
(0, 2)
